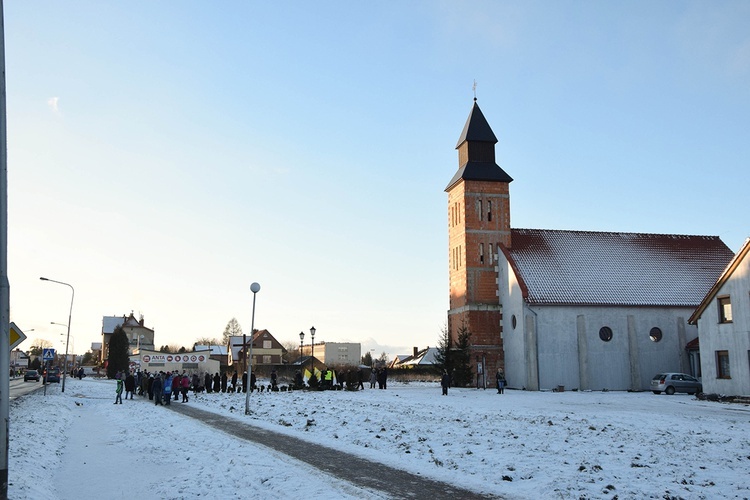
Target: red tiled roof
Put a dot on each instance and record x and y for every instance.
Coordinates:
(604, 268)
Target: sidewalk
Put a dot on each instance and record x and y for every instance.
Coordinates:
(345, 466)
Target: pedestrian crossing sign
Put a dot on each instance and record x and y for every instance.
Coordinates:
(48, 354)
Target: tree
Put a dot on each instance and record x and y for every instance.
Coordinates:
(38, 346)
(233, 328)
(291, 351)
(367, 359)
(88, 358)
(443, 358)
(383, 359)
(462, 358)
(118, 352)
(164, 348)
(208, 341)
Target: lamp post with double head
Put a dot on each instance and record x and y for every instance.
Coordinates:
(255, 288)
(301, 340)
(312, 351)
(70, 314)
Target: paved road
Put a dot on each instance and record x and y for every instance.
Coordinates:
(18, 387)
(358, 471)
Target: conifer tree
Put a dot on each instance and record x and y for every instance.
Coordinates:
(462, 358)
(118, 352)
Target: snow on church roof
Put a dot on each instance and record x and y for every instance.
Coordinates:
(604, 268)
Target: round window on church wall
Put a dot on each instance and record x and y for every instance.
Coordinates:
(513, 321)
(605, 333)
(655, 334)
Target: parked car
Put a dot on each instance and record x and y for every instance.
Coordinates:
(675, 382)
(31, 375)
(53, 375)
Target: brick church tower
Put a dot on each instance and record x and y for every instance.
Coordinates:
(478, 220)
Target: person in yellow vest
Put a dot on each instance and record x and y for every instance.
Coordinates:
(328, 377)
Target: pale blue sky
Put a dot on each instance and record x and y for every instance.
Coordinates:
(165, 155)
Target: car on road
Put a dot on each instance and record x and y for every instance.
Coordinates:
(31, 375)
(675, 382)
(53, 375)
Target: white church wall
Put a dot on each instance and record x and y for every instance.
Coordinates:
(515, 336)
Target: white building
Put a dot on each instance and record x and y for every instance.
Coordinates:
(598, 310)
(336, 353)
(723, 319)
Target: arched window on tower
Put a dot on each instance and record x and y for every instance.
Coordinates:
(489, 210)
(481, 253)
(479, 209)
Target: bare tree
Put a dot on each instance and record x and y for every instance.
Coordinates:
(38, 345)
(233, 328)
(208, 341)
(291, 351)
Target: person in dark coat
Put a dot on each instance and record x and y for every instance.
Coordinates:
(224, 380)
(150, 387)
(274, 379)
(360, 380)
(217, 383)
(253, 382)
(244, 381)
(129, 385)
(207, 382)
(234, 380)
(157, 387)
(500, 376)
(445, 382)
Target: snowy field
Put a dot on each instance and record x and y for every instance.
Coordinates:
(78, 445)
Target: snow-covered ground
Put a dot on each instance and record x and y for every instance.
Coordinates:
(79, 445)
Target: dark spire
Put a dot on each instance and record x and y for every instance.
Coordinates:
(476, 129)
(476, 152)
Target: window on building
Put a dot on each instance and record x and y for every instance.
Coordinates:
(267, 344)
(479, 209)
(489, 210)
(655, 334)
(722, 364)
(481, 253)
(605, 333)
(725, 309)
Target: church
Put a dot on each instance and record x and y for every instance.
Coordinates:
(558, 309)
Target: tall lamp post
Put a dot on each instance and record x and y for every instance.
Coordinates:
(70, 314)
(301, 340)
(255, 288)
(312, 351)
(73, 348)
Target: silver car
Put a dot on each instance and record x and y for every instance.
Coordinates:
(675, 382)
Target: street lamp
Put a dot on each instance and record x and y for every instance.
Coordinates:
(255, 288)
(73, 344)
(67, 341)
(301, 340)
(312, 351)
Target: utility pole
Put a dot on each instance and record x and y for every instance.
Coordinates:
(4, 283)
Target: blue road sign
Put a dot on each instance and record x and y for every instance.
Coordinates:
(48, 354)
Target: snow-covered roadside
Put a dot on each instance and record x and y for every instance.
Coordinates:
(520, 444)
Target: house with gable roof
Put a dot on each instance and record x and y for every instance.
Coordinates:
(580, 309)
(266, 349)
(723, 320)
(139, 336)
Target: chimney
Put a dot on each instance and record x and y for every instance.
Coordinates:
(416, 351)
